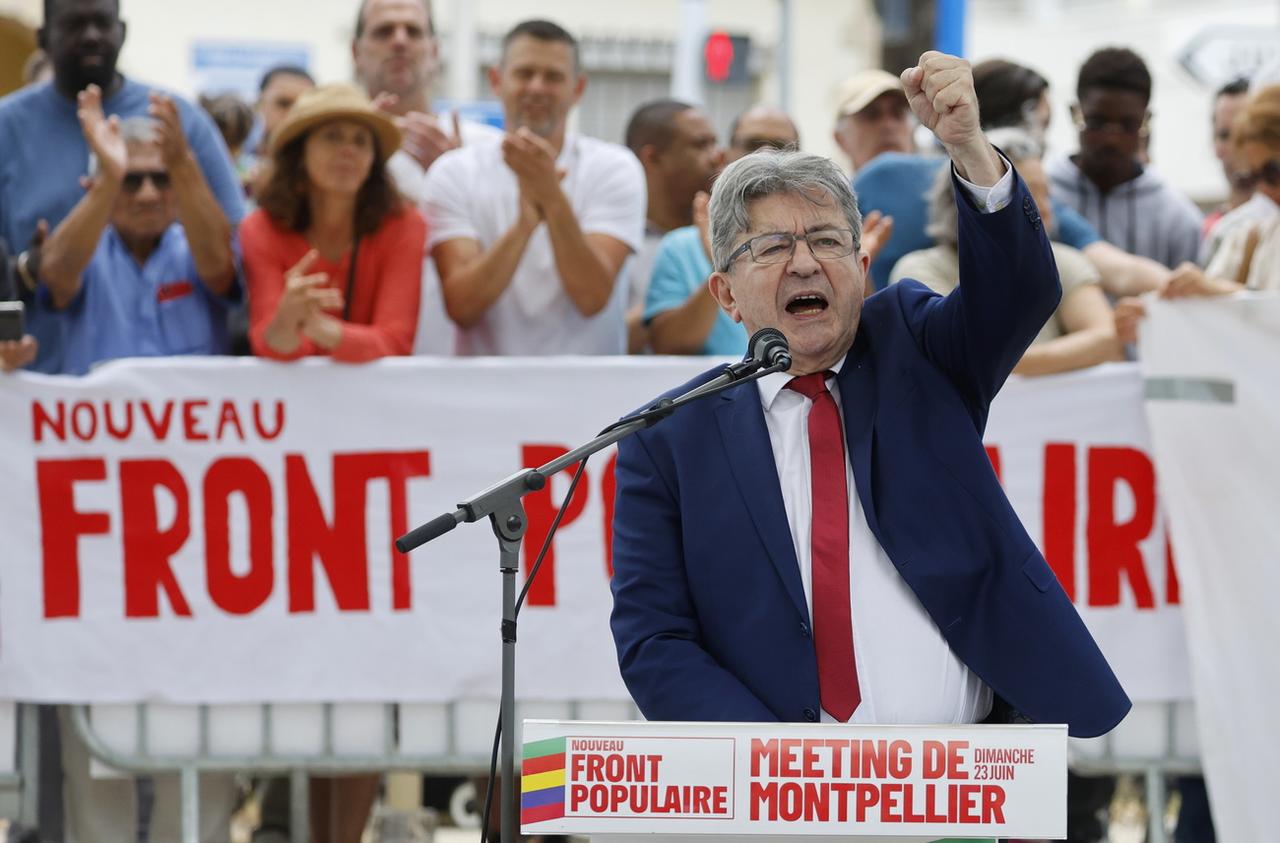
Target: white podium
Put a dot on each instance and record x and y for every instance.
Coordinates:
(622, 781)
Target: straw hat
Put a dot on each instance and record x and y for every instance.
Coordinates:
(339, 101)
(859, 90)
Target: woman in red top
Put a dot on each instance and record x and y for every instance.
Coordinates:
(332, 255)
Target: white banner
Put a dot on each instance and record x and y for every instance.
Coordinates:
(219, 531)
(1213, 393)
(802, 780)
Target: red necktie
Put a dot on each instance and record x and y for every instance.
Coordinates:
(829, 540)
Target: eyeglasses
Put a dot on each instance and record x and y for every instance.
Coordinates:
(1268, 172)
(779, 246)
(1098, 125)
(133, 181)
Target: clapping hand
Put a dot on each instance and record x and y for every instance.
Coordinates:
(304, 296)
(533, 160)
(102, 133)
(170, 136)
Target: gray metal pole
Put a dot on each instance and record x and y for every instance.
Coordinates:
(691, 34)
(784, 55)
(189, 782)
(464, 64)
(510, 564)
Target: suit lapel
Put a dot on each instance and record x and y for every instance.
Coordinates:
(750, 456)
(858, 402)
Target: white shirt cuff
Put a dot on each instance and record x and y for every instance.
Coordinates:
(988, 200)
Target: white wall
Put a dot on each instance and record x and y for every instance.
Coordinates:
(1056, 36)
(831, 38)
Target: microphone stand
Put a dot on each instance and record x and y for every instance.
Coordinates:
(502, 505)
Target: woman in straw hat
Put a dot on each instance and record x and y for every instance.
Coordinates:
(333, 256)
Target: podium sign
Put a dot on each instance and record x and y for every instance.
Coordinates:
(793, 779)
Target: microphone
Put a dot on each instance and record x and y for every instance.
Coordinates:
(769, 348)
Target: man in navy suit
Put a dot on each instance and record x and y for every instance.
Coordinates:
(831, 543)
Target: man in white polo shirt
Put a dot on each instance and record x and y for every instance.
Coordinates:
(531, 235)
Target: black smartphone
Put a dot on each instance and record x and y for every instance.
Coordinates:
(12, 320)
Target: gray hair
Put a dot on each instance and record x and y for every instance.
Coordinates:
(1016, 143)
(768, 172)
(138, 129)
(134, 131)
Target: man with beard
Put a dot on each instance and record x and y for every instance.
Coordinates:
(531, 235)
(676, 145)
(1129, 204)
(45, 154)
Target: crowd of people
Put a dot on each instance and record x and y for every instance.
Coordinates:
(350, 221)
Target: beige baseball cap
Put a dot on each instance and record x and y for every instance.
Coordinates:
(859, 90)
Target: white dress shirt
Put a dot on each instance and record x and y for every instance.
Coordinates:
(907, 673)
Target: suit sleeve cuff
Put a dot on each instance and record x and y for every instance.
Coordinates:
(988, 200)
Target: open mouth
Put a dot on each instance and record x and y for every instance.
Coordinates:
(806, 304)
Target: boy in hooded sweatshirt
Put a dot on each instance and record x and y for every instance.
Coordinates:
(1130, 205)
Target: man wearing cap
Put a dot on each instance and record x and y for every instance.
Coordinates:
(873, 117)
(531, 235)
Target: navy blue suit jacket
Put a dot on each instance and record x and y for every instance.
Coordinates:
(709, 612)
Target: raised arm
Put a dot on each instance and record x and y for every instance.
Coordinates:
(70, 247)
(207, 229)
(1008, 279)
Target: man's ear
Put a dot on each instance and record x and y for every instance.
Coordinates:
(124, 32)
(495, 77)
(579, 87)
(722, 292)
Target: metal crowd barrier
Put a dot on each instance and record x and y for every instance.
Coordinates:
(299, 740)
(1156, 740)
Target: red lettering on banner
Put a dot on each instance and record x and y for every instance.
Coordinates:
(1059, 514)
(120, 433)
(189, 421)
(1113, 547)
(159, 427)
(993, 454)
(235, 593)
(62, 525)
(147, 547)
(40, 419)
(1172, 589)
(86, 418)
(227, 416)
(341, 547)
(261, 428)
(541, 509)
(608, 492)
(84, 421)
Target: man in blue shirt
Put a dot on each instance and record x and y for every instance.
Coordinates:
(45, 154)
(142, 266)
(682, 316)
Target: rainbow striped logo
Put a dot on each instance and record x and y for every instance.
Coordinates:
(542, 781)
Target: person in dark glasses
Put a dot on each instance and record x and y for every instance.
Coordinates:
(143, 265)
